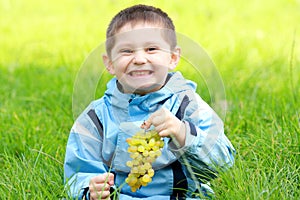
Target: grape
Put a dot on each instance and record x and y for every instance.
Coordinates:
(142, 171)
(147, 165)
(141, 148)
(155, 148)
(134, 170)
(132, 180)
(145, 153)
(132, 149)
(152, 142)
(146, 178)
(129, 163)
(152, 154)
(135, 162)
(151, 172)
(134, 155)
(144, 148)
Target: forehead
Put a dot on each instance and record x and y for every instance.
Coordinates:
(139, 33)
(139, 25)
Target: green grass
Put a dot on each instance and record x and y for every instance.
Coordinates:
(255, 46)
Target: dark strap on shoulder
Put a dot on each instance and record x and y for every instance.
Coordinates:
(96, 121)
(180, 185)
(184, 103)
(92, 114)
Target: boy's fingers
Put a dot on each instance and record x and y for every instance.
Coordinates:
(100, 195)
(106, 177)
(146, 124)
(98, 179)
(154, 119)
(111, 178)
(99, 187)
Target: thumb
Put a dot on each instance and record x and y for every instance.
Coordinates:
(111, 179)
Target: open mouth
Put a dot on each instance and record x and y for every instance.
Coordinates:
(140, 73)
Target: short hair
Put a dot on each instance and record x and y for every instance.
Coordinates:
(141, 13)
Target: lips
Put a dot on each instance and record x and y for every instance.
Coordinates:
(139, 73)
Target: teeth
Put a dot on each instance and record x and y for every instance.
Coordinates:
(139, 73)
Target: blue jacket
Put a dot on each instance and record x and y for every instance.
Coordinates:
(97, 142)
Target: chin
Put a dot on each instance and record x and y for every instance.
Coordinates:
(147, 88)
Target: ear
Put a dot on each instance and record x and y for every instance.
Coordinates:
(175, 57)
(108, 64)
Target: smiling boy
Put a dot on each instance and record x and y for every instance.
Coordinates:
(141, 49)
(141, 58)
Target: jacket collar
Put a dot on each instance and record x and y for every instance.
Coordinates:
(174, 85)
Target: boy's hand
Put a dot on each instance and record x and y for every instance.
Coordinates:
(167, 125)
(99, 186)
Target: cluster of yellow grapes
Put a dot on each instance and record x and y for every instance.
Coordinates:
(144, 148)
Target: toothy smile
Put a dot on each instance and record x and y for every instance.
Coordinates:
(140, 73)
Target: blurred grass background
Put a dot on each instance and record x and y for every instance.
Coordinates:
(254, 45)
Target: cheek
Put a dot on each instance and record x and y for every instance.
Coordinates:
(162, 59)
(121, 62)
(162, 64)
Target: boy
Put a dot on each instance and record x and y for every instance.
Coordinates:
(141, 49)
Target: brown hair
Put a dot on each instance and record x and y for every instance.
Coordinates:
(140, 13)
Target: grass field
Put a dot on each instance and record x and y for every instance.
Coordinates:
(255, 46)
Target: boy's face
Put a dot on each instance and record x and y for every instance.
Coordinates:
(141, 58)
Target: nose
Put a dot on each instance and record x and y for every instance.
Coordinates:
(139, 57)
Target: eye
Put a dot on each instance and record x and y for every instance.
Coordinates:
(152, 49)
(126, 51)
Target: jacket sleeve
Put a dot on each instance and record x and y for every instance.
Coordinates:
(207, 149)
(83, 158)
